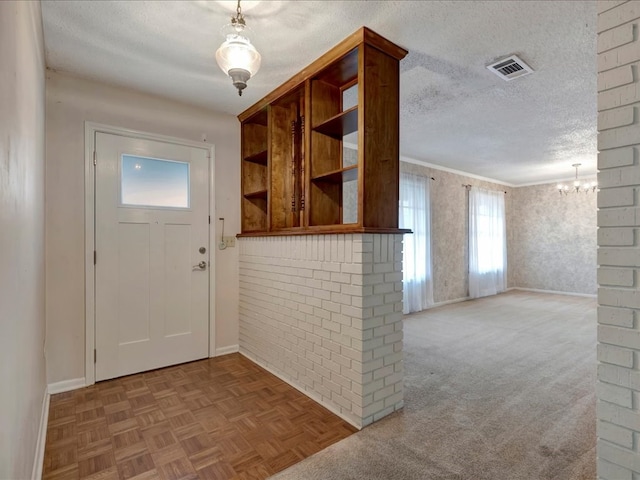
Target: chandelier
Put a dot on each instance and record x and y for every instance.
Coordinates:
(577, 186)
(237, 57)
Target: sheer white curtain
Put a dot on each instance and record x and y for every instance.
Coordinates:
(415, 213)
(487, 243)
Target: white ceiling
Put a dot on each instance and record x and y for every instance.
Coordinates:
(454, 112)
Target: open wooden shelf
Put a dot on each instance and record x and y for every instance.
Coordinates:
(260, 158)
(342, 71)
(340, 125)
(294, 169)
(257, 194)
(346, 174)
(254, 171)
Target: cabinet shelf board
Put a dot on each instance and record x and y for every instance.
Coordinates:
(256, 194)
(340, 125)
(342, 71)
(260, 158)
(346, 174)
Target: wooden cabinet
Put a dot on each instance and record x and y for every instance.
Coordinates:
(320, 153)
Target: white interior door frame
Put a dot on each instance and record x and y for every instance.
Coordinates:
(90, 130)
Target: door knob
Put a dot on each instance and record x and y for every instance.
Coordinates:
(202, 265)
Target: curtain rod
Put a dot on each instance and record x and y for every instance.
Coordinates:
(468, 186)
(420, 175)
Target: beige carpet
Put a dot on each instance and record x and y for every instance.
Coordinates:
(500, 388)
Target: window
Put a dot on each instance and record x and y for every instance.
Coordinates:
(415, 214)
(152, 182)
(487, 243)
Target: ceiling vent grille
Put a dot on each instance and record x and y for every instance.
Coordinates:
(510, 68)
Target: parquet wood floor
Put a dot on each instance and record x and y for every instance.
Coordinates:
(214, 419)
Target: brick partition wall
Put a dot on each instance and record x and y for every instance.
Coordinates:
(324, 313)
(618, 388)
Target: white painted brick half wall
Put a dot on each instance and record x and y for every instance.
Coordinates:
(324, 312)
(618, 388)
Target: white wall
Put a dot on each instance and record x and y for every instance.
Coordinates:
(22, 363)
(70, 102)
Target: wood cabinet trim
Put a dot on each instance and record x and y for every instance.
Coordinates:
(326, 230)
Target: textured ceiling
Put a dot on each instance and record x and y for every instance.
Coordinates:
(454, 112)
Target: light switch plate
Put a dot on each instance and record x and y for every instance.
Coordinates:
(230, 241)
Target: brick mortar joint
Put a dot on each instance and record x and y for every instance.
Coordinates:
(618, 25)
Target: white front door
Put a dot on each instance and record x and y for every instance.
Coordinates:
(152, 258)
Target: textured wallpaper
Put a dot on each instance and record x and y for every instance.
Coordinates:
(450, 230)
(551, 240)
(555, 240)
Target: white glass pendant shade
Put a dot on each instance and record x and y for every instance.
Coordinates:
(238, 58)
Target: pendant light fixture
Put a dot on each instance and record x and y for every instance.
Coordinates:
(577, 187)
(237, 57)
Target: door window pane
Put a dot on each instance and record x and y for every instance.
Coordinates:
(151, 182)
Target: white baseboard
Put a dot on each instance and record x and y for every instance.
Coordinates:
(227, 350)
(311, 395)
(38, 461)
(510, 289)
(555, 292)
(66, 385)
(448, 302)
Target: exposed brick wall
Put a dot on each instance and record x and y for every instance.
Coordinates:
(324, 312)
(618, 386)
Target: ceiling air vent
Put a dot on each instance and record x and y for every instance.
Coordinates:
(510, 68)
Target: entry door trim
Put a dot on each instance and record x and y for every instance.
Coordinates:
(90, 131)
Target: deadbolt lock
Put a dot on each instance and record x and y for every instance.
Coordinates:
(202, 250)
